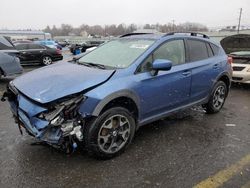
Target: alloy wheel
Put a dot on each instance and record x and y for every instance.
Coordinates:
(219, 97)
(114, 134)
(47, 60)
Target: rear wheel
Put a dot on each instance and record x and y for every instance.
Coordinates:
(109, 134)
(46, 60)
(217, 99)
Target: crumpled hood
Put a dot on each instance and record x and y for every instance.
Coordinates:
(56, 81)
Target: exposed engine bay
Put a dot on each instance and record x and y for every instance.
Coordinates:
(57, 123)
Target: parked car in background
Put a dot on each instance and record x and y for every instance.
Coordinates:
(49, 43)
(84, 46)
(63, 43)
(100, 101)
(241, 66)
(238, 48)
(9, 65)
(35, 53)
(90, 49)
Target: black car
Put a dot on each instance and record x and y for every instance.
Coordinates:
(84, 46)
(36, 53)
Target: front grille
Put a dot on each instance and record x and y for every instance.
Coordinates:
(237, 78)
(238, 68)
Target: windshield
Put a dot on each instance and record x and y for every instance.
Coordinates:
(118, 53)
(5, 44)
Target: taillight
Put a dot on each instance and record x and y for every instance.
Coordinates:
(58, 51)
(230, 60)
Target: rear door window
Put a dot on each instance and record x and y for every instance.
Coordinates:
(197, 50)
(21, 46)
(209, 50)
(35, 47)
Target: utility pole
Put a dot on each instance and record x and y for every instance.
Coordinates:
(173, 24)
(239, 21)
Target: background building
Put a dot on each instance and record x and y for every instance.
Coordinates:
(25, 34)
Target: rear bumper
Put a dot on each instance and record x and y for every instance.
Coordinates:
(241, 77)
(57, 58)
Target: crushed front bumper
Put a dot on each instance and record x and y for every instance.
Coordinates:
(25, 112)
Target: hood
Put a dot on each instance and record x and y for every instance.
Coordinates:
(56, 81)
(236, 43)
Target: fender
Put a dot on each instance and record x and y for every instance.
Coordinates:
(122, 93)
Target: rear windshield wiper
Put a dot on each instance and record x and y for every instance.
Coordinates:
(89, 64)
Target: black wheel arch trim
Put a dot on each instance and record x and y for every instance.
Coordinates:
(122, 93)
(219, 77)
(225, 74)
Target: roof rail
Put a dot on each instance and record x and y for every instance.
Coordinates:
(131, 34)
(190, 33)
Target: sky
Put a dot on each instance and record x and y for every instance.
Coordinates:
(37, 14)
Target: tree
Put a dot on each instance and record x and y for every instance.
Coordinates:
(47, 29)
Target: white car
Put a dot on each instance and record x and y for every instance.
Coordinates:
(241, 66)
(91, 49)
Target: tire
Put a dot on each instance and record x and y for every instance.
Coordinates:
(109, 134)
(46, 60)
(217, 98)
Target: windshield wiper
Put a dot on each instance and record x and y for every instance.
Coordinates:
(89, 64)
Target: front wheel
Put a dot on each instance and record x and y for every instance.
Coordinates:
(217, 98)
(110, 133)
(46, 60)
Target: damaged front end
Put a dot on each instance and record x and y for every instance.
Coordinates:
(56, 123)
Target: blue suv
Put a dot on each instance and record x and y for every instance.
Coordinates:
(100, 100)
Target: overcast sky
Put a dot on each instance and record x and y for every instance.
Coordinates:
(37, 14)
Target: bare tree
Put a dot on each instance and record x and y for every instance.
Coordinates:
(116, 30)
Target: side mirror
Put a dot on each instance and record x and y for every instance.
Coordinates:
(161, 64)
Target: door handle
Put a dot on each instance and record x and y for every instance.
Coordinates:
(186, 73)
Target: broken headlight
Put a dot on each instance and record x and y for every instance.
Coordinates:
(62, 110)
